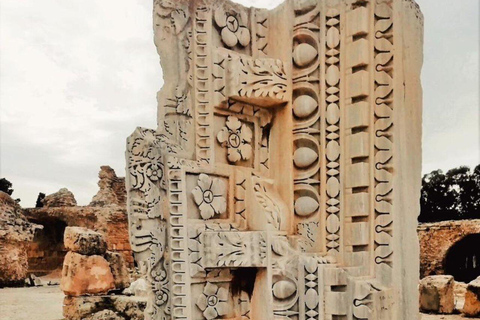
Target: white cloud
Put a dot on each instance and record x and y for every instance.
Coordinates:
(78, 76)
(450, 78)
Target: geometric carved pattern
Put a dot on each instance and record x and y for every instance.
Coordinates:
(280, 178)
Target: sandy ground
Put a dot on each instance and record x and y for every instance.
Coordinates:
(45, 303)
(40, 303)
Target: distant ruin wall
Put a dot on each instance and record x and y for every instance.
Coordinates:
(105, 214)
(111, 221)
(437, 238)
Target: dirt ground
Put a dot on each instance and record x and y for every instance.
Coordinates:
(45, 303)
(40, 303)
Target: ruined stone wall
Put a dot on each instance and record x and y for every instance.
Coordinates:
(15, 234)
(437, 238)
(106, 214)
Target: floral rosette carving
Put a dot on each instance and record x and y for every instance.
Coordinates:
(234, 27)
(213, 301)
(237, 138)
(154, 171)
(209, 195)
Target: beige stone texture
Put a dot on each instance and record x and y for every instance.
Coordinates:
(86, 275)
(84, 241)
(437, 294)
(283, 179)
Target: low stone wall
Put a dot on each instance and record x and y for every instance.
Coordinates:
(436, 239)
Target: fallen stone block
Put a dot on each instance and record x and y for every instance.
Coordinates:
(437, 294)
(81, 308)
(471, 307)
(86, 275)
(78, 308)
(119, 270)
(84, 241)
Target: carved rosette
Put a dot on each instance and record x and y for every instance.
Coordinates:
(233, 25)
(213, 301)
(209, 196)
(237, 138)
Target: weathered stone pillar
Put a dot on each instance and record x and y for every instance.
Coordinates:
(283, 180)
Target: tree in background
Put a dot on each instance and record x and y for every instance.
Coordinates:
(451, 196)
(40, 198)
(6, 186)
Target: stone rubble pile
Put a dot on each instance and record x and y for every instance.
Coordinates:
(440, 294)
(91, 278)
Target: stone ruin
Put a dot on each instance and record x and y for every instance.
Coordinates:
(106, 213)
(450, 248)
(16, 232)
(93, 279)
(283, 180)
(31, 240)
(449, 267)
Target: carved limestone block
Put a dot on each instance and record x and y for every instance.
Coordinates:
(283, 179)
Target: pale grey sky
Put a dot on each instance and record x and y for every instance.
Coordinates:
(77, 77)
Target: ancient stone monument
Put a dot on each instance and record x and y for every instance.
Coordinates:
(283, 179)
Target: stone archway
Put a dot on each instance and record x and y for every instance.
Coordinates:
(462, 260)
(436, 241)
(46, 252)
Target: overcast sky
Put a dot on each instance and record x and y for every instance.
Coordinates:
(77, 77)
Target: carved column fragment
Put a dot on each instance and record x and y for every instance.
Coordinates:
(283, 179)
